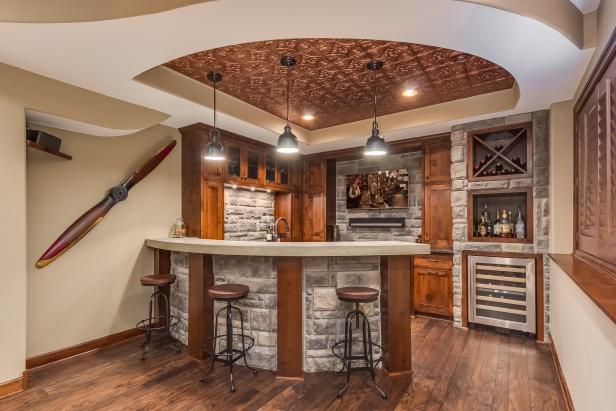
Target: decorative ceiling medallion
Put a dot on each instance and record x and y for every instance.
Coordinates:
(331, 80)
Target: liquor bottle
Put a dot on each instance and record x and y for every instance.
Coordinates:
(511, 223)
(497, 226)
(483, 230)
(519, 225)
(489, 228)
(505, 228)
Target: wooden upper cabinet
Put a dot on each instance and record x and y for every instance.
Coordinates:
(437, 162)
(270, 179)
(252, 165)
(438, 221)
(595, 169)
(234, 166)
(314, 175)
(243, 164)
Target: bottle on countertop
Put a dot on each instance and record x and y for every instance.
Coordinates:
(269, 235)
(520, 227)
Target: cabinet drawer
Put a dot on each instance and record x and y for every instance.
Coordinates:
(434, 262)
(428, 271)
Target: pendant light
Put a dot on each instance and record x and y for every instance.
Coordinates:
(375, 145)
(214, 150)
(287, 142)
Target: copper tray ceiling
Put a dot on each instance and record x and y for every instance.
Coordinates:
(331, 81)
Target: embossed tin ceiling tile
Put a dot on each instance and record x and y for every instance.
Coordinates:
(332, 82)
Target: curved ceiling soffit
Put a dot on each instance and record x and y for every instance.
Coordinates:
(65, 52)
(106, 116)
(78, 11)
(34, 118)
(561, 15)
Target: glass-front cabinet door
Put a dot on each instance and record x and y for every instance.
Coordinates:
(270, 169)
(284, 169)
(252, 165)
(234, 162)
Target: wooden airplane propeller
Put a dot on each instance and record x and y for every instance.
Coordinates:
(93, 216)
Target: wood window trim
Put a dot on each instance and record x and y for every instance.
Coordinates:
(599, 285)
(605, 60)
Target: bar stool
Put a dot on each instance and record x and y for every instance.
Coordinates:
(228, 355)
(344, 349)
(153, 323)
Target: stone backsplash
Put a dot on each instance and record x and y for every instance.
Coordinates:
(412, 161)
(247, 214)
(539, 182)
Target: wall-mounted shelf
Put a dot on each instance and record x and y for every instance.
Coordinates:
(501, 153)
(40, 147)
(377, 222)
(509, 199)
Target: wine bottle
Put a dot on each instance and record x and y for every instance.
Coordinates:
(511, 223)
(489, 228)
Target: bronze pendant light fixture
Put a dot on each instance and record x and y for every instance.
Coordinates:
(375, 145)
(214, 150)
(287, 142)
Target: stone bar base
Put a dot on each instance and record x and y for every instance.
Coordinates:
(323, 313)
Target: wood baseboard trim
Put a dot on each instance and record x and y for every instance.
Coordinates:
(561, 378)
(14, 386)
(95, 344)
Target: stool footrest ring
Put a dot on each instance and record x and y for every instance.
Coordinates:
(337, 351)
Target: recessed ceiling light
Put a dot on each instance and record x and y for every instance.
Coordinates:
(308, 117)
(409, 92)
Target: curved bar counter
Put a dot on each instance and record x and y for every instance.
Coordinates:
(293, 261)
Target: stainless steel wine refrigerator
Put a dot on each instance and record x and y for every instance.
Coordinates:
(501, 292)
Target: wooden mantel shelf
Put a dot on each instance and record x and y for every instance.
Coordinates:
(599, 285)
(40, 147)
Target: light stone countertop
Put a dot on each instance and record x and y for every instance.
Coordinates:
(288, 249)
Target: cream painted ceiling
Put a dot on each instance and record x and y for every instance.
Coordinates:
(106, 56)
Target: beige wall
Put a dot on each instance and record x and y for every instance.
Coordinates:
(585, 340)
(13, 240)
(561, 177)
(93, 289)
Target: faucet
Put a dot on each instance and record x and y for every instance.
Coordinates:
(277, 234)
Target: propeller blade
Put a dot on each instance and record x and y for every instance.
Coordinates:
(93, 216)
(147, 168)
(76, 231)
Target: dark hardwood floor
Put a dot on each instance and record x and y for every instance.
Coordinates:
(453, 370)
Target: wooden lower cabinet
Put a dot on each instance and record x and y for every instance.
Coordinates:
(433, 284)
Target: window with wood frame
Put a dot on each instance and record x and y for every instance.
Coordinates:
(595, 165)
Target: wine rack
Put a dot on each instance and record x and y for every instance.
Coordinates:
(501, 292)
(500, 153)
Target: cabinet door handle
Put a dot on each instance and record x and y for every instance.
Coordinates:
(436, 273)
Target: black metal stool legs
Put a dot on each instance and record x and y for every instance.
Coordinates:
(228, 355)
(348, 358)
(152, 323)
